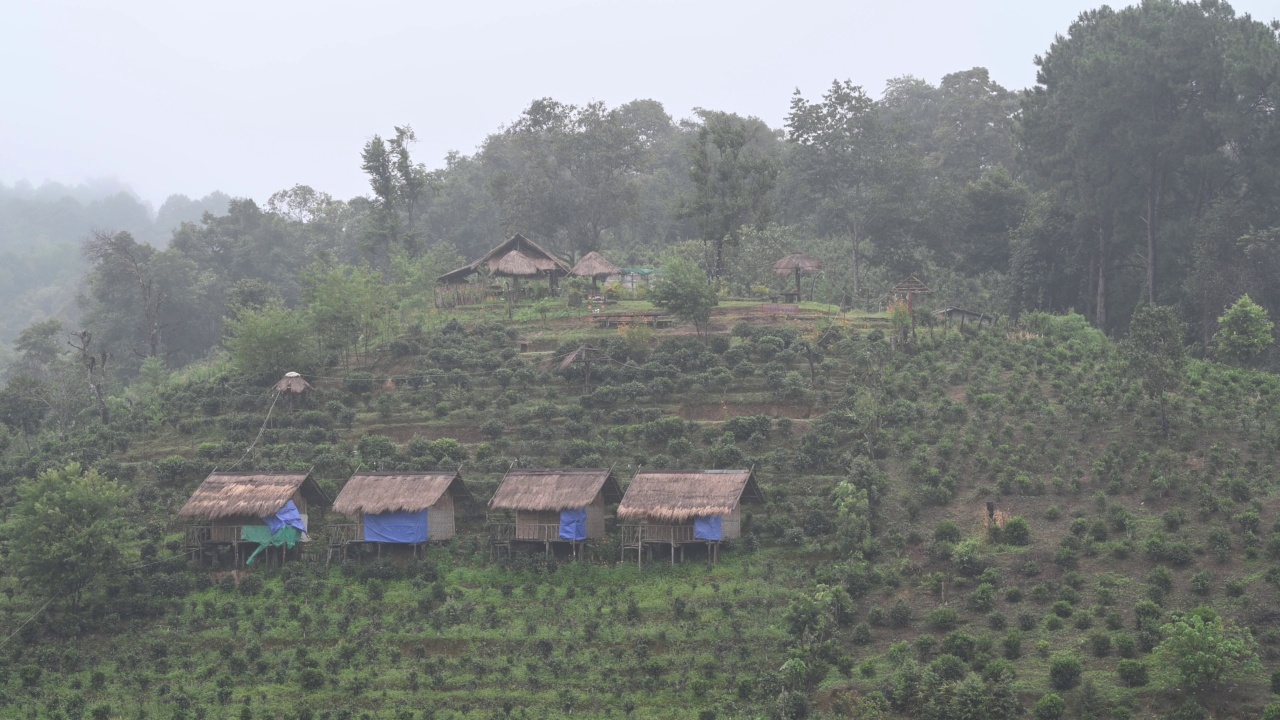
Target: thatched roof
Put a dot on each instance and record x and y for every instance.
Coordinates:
(292, 382)
(555, 489)
(544, 260)
(796, 261)
(374, 493)
(679, 495)
(255, 494)
(514, 264)
(910, 285)
(593, 264)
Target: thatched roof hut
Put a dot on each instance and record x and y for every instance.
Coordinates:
(545, 261)
(678, 496)
(514, 264)
(554, 489)
(374, 493)
(595, 266)
(292, 382)
(796, 263)
(402, 507)
(547, 502)
(227, 495)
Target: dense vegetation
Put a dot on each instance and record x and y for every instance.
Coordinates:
(1129, 568)
(1140, 167)
(868, 584)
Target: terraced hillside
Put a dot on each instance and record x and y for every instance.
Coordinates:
(872, 583)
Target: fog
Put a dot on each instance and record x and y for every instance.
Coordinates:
(249, 98)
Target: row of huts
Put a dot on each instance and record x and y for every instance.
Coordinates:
(249, 513)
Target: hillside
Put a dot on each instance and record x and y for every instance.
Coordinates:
(867, 585)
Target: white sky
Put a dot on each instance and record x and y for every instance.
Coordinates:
(252, 97)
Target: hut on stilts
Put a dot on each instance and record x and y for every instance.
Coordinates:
(397, 509)
(249, 513)
(679, 508)
(552, 508)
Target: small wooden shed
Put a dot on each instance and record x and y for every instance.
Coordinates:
(244, 509)
(553, 506)
(399, 508)
(683, 507)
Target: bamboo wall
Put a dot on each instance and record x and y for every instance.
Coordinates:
(440, 519)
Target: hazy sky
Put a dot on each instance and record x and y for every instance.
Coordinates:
(251, 97)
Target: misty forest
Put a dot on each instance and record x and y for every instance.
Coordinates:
(980, 381)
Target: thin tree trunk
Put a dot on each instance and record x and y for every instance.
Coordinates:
(1154, 192)
(1104, 238)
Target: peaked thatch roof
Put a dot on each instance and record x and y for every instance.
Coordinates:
(374, 493)
(256, 494)
(514, 264)
(911, 285)
(680, 495)
(292, 382)
(543, 259)
(593, 264)
(796, 261)
(555, 489)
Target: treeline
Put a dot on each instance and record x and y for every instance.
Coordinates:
(1141, 168)
(42, 229)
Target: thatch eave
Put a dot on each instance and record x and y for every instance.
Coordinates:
(376, 493)
(553, 490)
(249, 494)
(678, 496)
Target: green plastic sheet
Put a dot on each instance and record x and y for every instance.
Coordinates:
(287, 536)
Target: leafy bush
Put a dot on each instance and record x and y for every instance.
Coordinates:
(1050, 707)
(1017, 531)
(1132, 673)
(1064, 672)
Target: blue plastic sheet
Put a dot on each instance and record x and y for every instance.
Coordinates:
(285, 516)
(573, 524)
(396, 527)
(707, 528)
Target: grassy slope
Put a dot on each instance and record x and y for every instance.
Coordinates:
(1043, 425)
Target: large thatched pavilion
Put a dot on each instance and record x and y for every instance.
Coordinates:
(258, 510)
(677, 508)
(398, 508)
(552, 507)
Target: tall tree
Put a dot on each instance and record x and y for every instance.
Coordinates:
(1144, 118)
(68, 531)
(398, 185)
(569, 173)
(734, 164)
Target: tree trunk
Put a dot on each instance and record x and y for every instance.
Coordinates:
(1154, 193)
(1104, 240)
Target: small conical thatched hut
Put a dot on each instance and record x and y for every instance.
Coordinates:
(399, 507)
(680, 507)
(595, 266)
(796, 263)
(514, 264)
(292, 382)
(261, 508)
(556, 505)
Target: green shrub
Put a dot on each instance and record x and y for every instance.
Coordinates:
(943, 619)
(1017, 531)
(1050, 707)
(1064, 672)
(947, 531)
(1132, 673)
